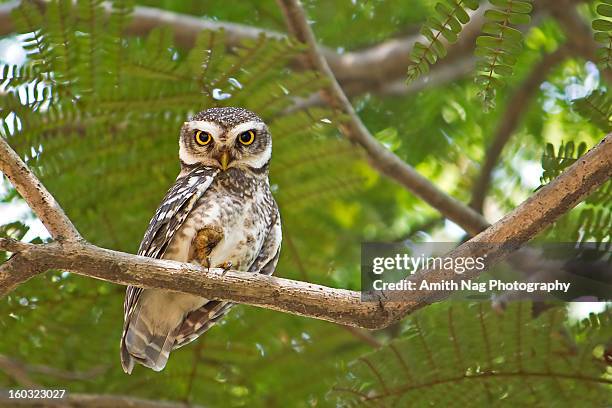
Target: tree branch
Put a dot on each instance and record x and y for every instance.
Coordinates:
(516, 228)
(381, 158)
(516, 107)
(306, 299)
(90, 401)
(17, 372)
(337, 305)
(20, 372)
(36, 195)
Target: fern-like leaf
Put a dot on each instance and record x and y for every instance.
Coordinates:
(448, 23)
(499, 44)
(603, 33)
(554, 163)
(598, 108)
(471, 355)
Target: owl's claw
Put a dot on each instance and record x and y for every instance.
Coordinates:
(204, 242)
(226, 266)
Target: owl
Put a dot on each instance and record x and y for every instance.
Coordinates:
(219, 213)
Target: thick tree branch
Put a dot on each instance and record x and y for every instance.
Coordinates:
(337, 305)
(380, 157)
(36, 195)
(517, 105)
(380, 69)
(301, 298)
(524, 222)
(16, 270)
(90, 401)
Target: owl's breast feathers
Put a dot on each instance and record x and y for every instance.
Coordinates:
(236, 203)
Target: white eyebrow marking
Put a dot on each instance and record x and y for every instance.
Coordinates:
(206, 126)
(243, 127)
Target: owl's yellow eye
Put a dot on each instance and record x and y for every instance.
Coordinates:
(246, 138)
(202, 138)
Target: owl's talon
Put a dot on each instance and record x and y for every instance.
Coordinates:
(204, 242)
(226, 266)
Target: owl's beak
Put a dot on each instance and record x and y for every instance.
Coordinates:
(224, 159)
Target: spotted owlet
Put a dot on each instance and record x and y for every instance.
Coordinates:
(219, 213)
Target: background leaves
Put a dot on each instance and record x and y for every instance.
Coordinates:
(471, 355)
(96, 113)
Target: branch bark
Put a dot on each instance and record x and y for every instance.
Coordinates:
(382, 159)
(524, 222)
(301, 298)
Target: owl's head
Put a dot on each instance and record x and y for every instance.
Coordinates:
(225, 138)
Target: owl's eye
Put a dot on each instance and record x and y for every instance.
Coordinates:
(202, 138)
(246, 138)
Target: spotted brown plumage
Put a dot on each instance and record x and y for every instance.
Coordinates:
(230, 206)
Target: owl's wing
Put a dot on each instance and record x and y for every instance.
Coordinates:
(270, 250)
(200, 320)
(169, 216)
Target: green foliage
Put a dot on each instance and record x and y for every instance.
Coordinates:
(554, 163)
(99, 124)
(598, 108)
(498, 46)
(447, 23)
(472, 355)
(603, 33)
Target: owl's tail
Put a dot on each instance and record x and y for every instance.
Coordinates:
(144, 344)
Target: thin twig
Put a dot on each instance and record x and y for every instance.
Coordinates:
(17, 372)
(516, 107)
(382, 159)
(76, 400)
(363, 336)
(27, 369)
